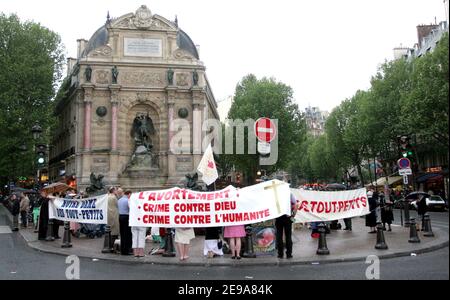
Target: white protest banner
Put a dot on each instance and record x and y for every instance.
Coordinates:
(178, 207)
(89, 210)
(314, 206)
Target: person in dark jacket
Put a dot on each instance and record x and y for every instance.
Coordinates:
(421, 209)
(387, 214)
(43, 216)
(371, 218)
(15, 210)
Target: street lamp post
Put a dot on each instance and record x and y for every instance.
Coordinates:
(36, 130)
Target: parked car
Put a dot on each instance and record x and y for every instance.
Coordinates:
(434, 202)
(399, 203)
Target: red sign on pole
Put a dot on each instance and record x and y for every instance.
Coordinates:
(265, 130)
(404, 163)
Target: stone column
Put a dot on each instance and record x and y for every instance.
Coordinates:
(114, 104)
(114, 153)
(86, 153)
(198, 103)
(171, 158)
(88, 90)
(197, 128)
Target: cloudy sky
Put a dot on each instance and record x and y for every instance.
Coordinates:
(325, 50)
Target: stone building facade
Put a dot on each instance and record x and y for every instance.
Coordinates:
(136, 67)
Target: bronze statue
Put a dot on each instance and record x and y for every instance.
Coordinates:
(142, 130)
(88, 73)
(170, 76)
(115, 74)
(96, 184)
(195, 77)
(191, 182)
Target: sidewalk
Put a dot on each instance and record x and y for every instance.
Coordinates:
(343, 245)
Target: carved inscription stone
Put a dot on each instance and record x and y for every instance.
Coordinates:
(143, 78)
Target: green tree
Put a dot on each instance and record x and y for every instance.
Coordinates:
(31, 60)
(425, 107)
(346, 129)
(267, 98)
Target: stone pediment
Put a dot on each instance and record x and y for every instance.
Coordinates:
(101, 51)
(143, 20)
(182, 54)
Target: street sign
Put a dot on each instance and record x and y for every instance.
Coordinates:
(265, 130)
(404, 163)
(263, 148)
(405, 172)
(405, 179)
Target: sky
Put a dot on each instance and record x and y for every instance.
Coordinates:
(324, 50)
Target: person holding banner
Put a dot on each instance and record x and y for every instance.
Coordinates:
(183, 237)
(284, 223)
(125, 229)
(235, 233)
(113, 213)
(371, 218)
(43, 216)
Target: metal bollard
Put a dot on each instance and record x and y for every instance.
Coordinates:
(66, 238)
(49, 237)
(322, 248)
(169, 250)
(249, 251)
(428, 231)
(413, 237)
(407, 217)
(36, 223)
(15, 223)
(107, 244)
(381, 243)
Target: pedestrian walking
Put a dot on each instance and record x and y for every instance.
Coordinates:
(24, 209)
(213, 242)
(183, 237)
(235, 233)
(284, 224)
(421, 210)
(15, 211)
(371, 218)
(125, 229)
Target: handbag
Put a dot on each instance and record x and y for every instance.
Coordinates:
(219, 244)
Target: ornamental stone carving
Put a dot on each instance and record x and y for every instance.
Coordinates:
(182, 54)
(102, 51)
(143, 78)
(102, 76)
(142, 19)
(182, 79)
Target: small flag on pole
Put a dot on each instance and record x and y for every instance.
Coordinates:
(207, 166)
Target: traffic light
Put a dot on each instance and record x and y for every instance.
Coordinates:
(405, 146)
(41, 151)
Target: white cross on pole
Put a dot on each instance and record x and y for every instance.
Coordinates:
(274, 187)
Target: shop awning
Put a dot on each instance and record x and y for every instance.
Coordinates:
(382, 181)
(428, 176)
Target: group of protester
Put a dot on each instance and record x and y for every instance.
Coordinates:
(133, 239)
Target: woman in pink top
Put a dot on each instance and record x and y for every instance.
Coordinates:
(235, 233)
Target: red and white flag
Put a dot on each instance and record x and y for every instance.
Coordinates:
(207, 166)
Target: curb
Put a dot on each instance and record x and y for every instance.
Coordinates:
(245, 263)
(251, 264)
